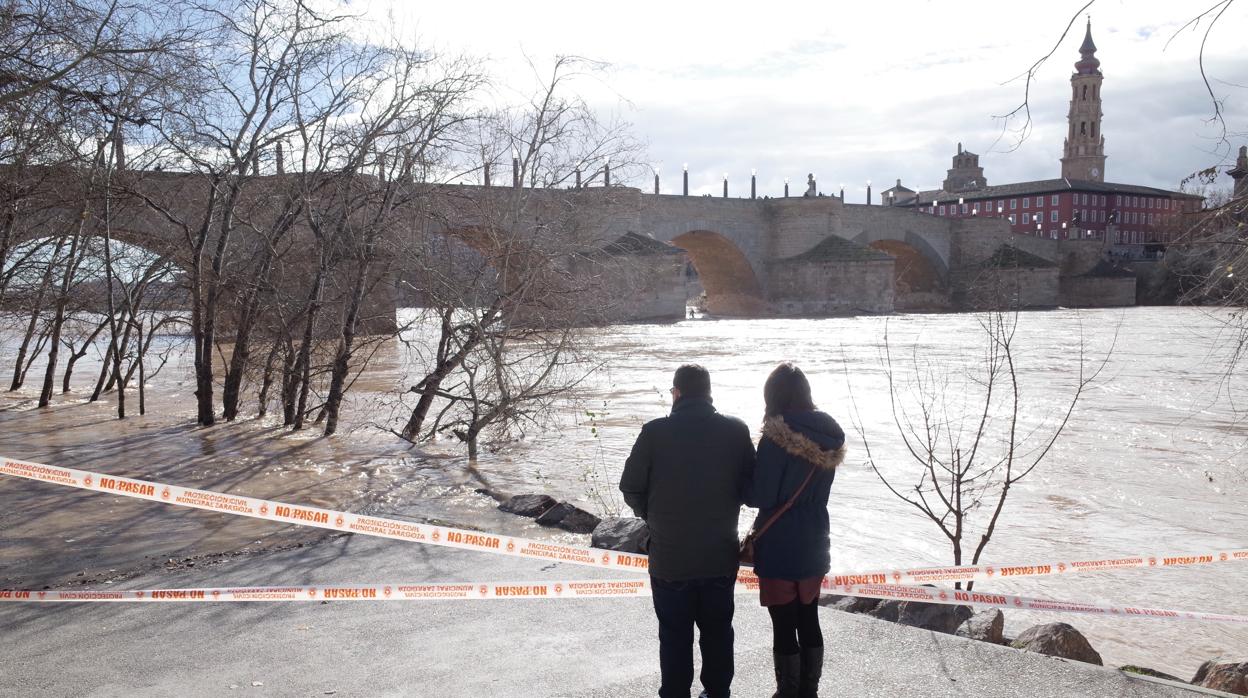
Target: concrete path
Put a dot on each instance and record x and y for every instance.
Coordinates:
(591, 647)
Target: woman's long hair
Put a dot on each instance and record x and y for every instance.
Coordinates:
(787, 390)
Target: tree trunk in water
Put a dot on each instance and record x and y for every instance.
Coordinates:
(104, 373)
(18, 373)
(20, 366)
(232, 386)
(267, 381)
(73, 358)
(49, 374)
(203, 375)
(304, 364)
(342, 360)
(429, 391)
(112, 310)
(120, 379)
(289, 385)
(472, 445)
(142, 375)
(231, 389)
(58, 317)
(30, 360)
(337, 380)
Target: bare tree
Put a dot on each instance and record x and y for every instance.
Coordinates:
(964, 433)
(508, 280)
(51, 47)
(258, 65)
(507, 335)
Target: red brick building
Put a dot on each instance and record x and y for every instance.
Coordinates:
(1080, 203)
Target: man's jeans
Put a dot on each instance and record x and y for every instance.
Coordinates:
(708, 603)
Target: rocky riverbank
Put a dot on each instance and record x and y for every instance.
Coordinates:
(1053, 639)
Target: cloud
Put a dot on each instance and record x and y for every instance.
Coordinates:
(863, 91)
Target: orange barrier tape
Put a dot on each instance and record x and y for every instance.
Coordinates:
(985, 573)
(594, 588)
(376, 592)
(529, 548)
(981, 599)
(325, 518)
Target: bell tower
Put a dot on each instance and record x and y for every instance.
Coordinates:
(1083, 157)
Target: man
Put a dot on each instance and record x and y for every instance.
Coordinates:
(686, 478)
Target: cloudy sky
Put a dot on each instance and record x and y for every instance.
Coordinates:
(857, 91)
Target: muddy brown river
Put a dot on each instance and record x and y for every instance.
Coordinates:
(1153, 460)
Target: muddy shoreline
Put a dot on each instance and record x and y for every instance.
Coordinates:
(53, 537)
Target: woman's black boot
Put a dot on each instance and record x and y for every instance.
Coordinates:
(788, 674)
(811, 672)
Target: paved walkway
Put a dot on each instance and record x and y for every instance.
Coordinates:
(590, 647)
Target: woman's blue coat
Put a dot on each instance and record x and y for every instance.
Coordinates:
(797, 545)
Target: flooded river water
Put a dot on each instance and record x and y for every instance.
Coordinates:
(1152, 460)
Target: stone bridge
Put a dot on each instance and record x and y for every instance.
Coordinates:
(821, 256)
(754, 257)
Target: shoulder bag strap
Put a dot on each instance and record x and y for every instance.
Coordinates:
(787, 505)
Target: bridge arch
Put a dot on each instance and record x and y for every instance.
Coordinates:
(917, 282)
(731, 284)
(41, 261)
(933, 247)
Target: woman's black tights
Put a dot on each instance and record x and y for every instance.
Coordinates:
(796, 627)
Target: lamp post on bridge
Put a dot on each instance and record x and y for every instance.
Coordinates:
(753, 177)
(786, 187)
(606, 171)
(725, 185)
(578, 175)
(515, 168)
(686, 178)
(868, 192)
(656, 180)
(487, 174)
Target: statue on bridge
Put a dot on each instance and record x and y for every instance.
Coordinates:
(810, 186)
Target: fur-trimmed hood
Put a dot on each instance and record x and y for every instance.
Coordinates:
(802, 446)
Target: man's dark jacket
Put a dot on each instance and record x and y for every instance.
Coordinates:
(687, 476)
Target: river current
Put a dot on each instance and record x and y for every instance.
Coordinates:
(1152, 459)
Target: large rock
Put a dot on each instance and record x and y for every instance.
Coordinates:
(1231, 677)
(849, 604)
(569, 518)
(531, 505)
(937, 617)
(627, 535)
(941, 618)
(1058, 640)
(985, 626)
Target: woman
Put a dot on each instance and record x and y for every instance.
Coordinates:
(798, 454)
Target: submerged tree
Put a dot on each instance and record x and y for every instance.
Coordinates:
(966, 439)
(503, 294)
